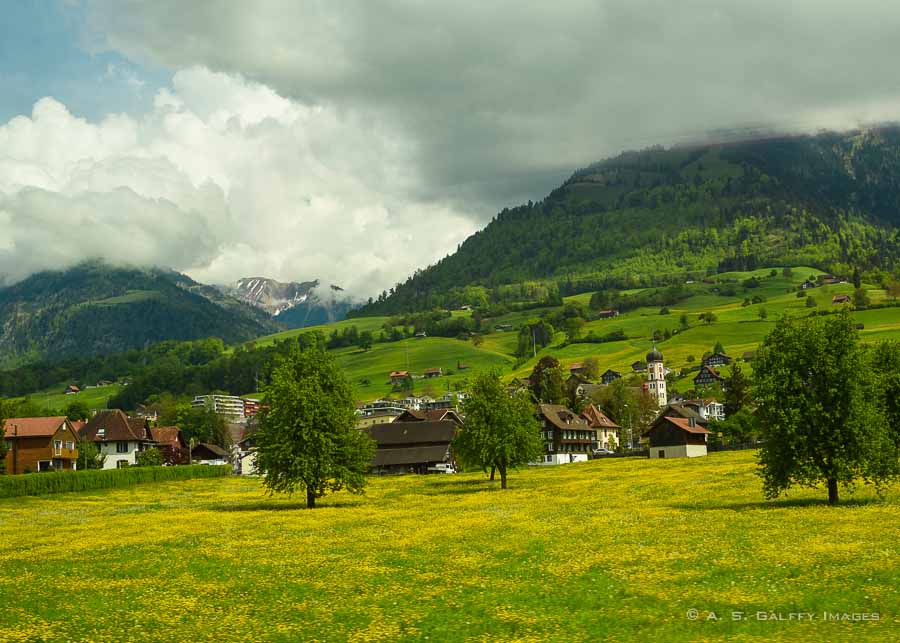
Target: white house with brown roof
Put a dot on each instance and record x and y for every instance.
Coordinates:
(607, 430)
(567, 437)
(118, 437)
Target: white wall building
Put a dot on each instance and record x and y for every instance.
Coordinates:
(656, 377)
(229, 406)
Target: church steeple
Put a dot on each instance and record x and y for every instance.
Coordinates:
(656, 376)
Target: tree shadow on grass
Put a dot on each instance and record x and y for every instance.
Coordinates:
(280, 506)
(788, 503)
(458, 487)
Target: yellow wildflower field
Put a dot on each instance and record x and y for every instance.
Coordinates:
(615, 550)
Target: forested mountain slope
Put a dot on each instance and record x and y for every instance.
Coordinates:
(651, 217)
(95, 308)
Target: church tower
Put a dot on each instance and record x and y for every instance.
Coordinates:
(656, 377)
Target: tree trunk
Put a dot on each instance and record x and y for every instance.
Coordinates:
(492, 473)
(502, 477)
(832, 491)
(310, 499)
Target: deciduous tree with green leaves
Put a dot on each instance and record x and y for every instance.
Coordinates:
(89, 456)
(151, 457)
(308, 439)
(501, 430)
(548, 381)
(819, 409)
(3, 448)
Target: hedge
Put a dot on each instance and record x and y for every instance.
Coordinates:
(39, 484)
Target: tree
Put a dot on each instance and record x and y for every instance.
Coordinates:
(857, 279)
(477, 340)
(366, 339)
(574, 327)
(89, 456)
(151, 457)
(740, 428)
(860, 298)
(763, 314)
(307, 439)
(718, 348)
(786, 272)
(590, 368)
(501, 430)
(548, 381)
(78, 410)
(737, 393)
(3, 447)
(818, 408)
(893, 289)
(684, 321)
(810, 302)
(708, 317)
(204, 424)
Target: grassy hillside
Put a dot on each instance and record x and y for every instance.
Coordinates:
(616, 550)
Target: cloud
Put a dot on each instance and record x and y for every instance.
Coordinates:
(224, 178)
(502, 99)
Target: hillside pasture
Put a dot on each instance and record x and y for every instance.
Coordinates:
(615, 550)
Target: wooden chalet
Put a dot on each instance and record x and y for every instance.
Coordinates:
(671, 437)
(433, 372)
(397, 377)
(171, 444)
(707, 377)
(412, 447)
(567, 437)
(639, 366)
(609, 376)
(211, 454)
(607, 314)
(40, 444)
(840, 299)
(717, 359)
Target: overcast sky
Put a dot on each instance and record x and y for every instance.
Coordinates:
(357, 141)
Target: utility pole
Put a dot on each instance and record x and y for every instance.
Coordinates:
(533, 342)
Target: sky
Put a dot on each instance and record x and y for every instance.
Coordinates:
(358, 141)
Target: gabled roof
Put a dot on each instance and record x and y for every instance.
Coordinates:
(681, 411)
(209, 449)
(683, 424)
(33, 427)
(431, 415)
(399, 374)
(117, 427)
(561, 417)
(168, 436)
(597, 419)
(405, 433)
(711, 371)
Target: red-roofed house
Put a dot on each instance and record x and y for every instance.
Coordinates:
(40, 444)
(398, 376)
(171, 444)
(118, 437)
(676, 438)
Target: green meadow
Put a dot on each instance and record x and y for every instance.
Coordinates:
(610, 550)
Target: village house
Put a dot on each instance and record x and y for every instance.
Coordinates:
(428, 373)
(683, 411)
(638, 366)
(670, 437)
(607, 314)
(607, 431)
(576, 368)
(707, 377)
(170, 443)
(503, 327)
(397, 377)
(717, 359)
(578, 386)
(749, 356)
(708, 410)
(412, 447)
(567, 437)
(840, 299)
(433, 415)
(71, 389)
(118, 437)
(40, 444)
(609, 376)
(211, 454)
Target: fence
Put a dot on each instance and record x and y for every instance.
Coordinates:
(39, 484)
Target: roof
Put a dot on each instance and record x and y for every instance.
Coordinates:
(411, 455)
(654, 355)
(167, 435)
(684, 424)
(33, 427)
(610, 371)
(212, 449)
(561, 417)
(432, 370)
(680, 410)
(840, 298)
(711, 371)
(116, 427)
(714, 355)
(597, 419)
(407, 433)
(399, 373)
(431, 415)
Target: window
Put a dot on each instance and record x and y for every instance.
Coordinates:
(9, 444)
(121, 464)
(70, 445)
(57, 445)
(121, 447)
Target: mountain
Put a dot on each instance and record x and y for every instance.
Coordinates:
(654, 216)
(96, 308)
(294, 304)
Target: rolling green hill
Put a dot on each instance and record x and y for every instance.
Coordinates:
(94, 308)
(661, 215)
